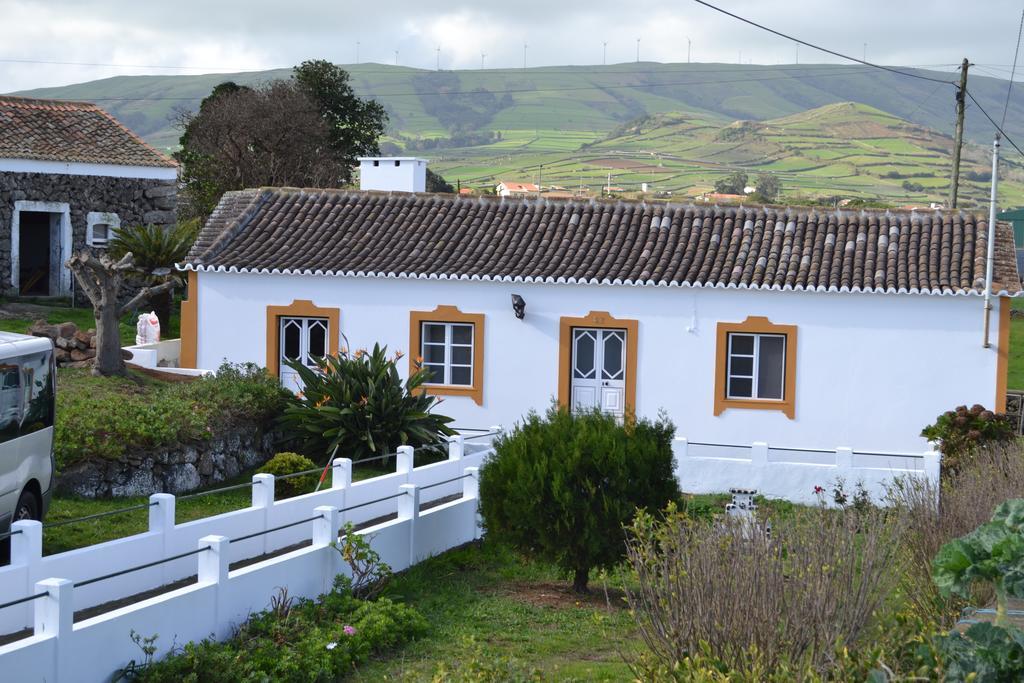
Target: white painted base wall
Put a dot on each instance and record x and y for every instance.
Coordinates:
(872, 369)
(793, 473)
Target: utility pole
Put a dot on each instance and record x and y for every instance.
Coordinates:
(396, 57)
(687, 50)
(604, 54)
(797, 52)
(524, 56)
(483, 55)
(958, 137)
(991, 246)
(637, 50)
(540, 179)
(438, 58)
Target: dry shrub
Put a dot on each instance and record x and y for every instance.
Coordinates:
(965, 500)
(754, 602)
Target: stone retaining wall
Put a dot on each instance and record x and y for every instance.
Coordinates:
(177, 470)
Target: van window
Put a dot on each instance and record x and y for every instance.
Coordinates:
(26, 395)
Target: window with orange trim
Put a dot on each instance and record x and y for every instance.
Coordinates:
(756, 366)
(450, 345)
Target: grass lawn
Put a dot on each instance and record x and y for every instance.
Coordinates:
(495, 616)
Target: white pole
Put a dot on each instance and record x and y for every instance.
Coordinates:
(991, 246)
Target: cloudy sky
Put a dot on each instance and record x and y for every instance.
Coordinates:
(114, 37)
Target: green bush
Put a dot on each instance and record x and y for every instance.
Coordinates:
(961, 432)
(109, 417)
(358, 404)
(301, 640)
(563, 487)
(290, 463)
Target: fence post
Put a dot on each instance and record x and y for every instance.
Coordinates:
(409, 509)
(404, 461)
(55, 616)
(161, 521)
(27, 552)
(325, 535)
(456, 447)
(471, 490)
(213, 571)
(341, 482)
(933, 467)
(680, 451)
(263, 497)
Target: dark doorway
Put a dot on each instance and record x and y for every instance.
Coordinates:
(34, 253)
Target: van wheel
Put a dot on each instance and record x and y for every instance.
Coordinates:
(28, 507)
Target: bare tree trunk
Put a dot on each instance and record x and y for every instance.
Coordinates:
(108, 341)
(101, 279)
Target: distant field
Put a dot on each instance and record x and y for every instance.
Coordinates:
(812, 153)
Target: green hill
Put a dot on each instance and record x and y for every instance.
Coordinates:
(844, 150)
(588, 100)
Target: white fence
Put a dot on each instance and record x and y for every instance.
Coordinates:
(793, 473)
(60, 649)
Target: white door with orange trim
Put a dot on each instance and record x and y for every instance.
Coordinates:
(301, 339)
(598, 370)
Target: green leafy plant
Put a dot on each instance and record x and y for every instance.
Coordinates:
(289, 463)
(368, 574)
(562, 487)
(961, 432)
(984, 652)
(156, 249)
(993, 554)
(358, 404)
(321, 640)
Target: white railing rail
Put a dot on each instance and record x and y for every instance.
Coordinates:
(792, 472)
(255, 529)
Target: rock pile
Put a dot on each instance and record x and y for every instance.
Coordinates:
(73, 348)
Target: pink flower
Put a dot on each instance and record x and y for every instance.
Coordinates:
(349, 630)
(818, 490)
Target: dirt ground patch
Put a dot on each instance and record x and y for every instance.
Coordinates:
(561, 595)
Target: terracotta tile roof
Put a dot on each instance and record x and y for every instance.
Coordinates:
(55, 130)
(519, 187)
(336, 232)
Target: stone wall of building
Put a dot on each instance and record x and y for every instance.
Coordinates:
(135, 201)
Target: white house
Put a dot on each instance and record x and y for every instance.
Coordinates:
(801, 327)
(510, 189)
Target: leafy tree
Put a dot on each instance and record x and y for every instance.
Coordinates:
(562, 487)
(436, 183)
(306, 131)
(155, 250)
(358, 404)
(732, 183)
(768, 187)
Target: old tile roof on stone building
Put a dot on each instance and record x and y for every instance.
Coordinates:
(336, 232)
(57, 130)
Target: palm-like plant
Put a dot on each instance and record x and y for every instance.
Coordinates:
(156, 249)
(358, 404)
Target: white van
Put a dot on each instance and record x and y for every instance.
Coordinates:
(28, 387)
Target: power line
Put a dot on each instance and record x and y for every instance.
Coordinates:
(1013, 71)
(993, 122)
(818, 47)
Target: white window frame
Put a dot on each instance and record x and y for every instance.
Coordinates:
(448, 344)
(94, 218)
(755, 366)
(304, 323)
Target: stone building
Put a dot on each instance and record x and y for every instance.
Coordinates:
(70, 176)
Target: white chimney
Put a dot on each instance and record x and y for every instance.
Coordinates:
(393, 174)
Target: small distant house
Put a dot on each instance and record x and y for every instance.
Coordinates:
(798, 326)
(70, 176)
(510, 189)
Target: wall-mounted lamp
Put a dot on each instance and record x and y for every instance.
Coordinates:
(519, 306)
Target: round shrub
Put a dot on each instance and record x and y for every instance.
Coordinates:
(962, 431)
(563, 487)
(290, 463)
